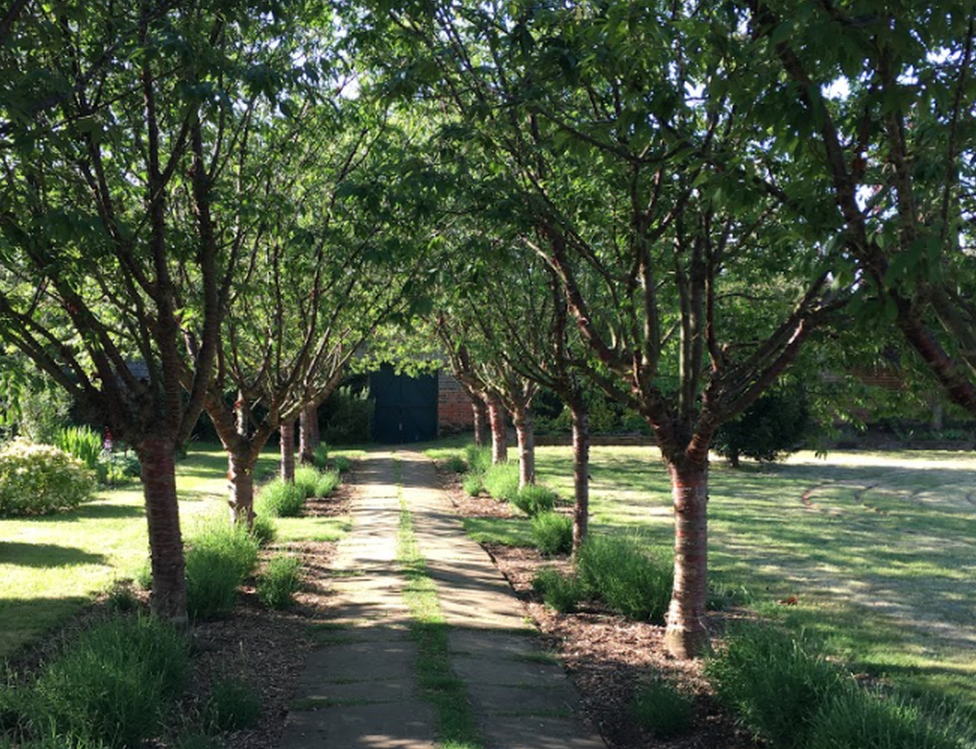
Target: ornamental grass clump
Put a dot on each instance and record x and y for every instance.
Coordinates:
(327, 482)
(83, 442)
(631, 577)
(552, 533)
(472, 484)
(534, 499)
(560, 592)
(663, 707)
(220, 556)
(41, 479)
(279, 499)
(478, 458)
(502, 481)
(233, 704)
(456, 464)
(306, 479)
(280, 581)
(110, 686)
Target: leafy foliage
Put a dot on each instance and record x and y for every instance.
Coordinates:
(280, 499)
(775, 424)
(41, 479)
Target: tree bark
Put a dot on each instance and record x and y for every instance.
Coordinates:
(499, 431)
(308, 434)
(581, 476)
(157, 456)
(287, 433)
(687, 634)
(481, 424)
(241, 477)
(525, 434)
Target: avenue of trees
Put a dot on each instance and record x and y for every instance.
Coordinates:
(667, 202)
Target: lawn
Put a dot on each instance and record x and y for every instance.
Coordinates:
(878, 550)
(51, 566)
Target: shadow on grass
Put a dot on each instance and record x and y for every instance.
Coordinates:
(45, 555)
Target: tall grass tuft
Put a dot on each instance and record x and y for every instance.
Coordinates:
(278, 499)
(478, 458)
(327, 483)
(629, 576)
(553, 533)
(774, 682)
(456, 464)
(472, 484)
(320, 455)
(533, 499)
(560, 592)
(501, 481)
(111, 685)
(218, 559)
(279, 582)
(663, 708)
(233, 704)
(263, 529)
(306, 478)
(341, 463)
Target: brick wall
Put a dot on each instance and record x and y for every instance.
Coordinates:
(453, 406)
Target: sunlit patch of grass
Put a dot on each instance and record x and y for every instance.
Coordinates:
(504, 531)
(312, 528)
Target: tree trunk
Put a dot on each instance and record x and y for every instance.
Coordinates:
(158, 460)
(241, 499)
(287, 436)
(581, 476)
(499, 431)
(308, 438)
(525, 433)
(687, 634)
(481, 425)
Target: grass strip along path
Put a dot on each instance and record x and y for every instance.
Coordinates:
(426, 646)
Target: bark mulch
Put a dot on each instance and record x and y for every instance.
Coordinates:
(606, 655)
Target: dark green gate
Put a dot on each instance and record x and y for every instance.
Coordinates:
(405, 407)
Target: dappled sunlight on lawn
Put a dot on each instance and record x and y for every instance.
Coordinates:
(879, 549)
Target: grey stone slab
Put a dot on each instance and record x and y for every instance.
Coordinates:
(491, 645)
(528, 732)
(347, 692)
(556, 700)
(476, 670)
(405, 725)
(359, 660)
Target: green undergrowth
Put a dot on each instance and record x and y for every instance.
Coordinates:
(457, 726)
(788, 694)
(109, 686)
(504, 531)
(279, 581)
(219, 556)
(501, 481)
(663, 707)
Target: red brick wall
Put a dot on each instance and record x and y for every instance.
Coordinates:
(453, 406)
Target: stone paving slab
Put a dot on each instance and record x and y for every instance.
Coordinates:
(405, 725)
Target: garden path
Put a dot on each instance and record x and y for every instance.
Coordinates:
(359, 689)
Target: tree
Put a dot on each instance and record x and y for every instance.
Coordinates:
(598, 115)
(876, 106)
(119, 131)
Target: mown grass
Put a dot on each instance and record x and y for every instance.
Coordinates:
(879, 549)
(52, 566)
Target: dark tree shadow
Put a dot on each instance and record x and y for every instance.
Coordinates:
(45, 555)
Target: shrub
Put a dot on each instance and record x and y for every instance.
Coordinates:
(663, 708)
(347, 417)
(218, 559)
(278, 499)
(327, 483)
(456, 464)
(534, 499)
(110, 685)
(560, 592)
(472, 484)
(263, 529)
(772, 426)
(341, 463)
(306, 479)
(279, 581)
(553, 533)
(41, 479)
(771, 680)
(233, 704)
(501, 481)
(118, 467)
(121, 599)
(857, 719)
(631, 580)
(478, 458)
